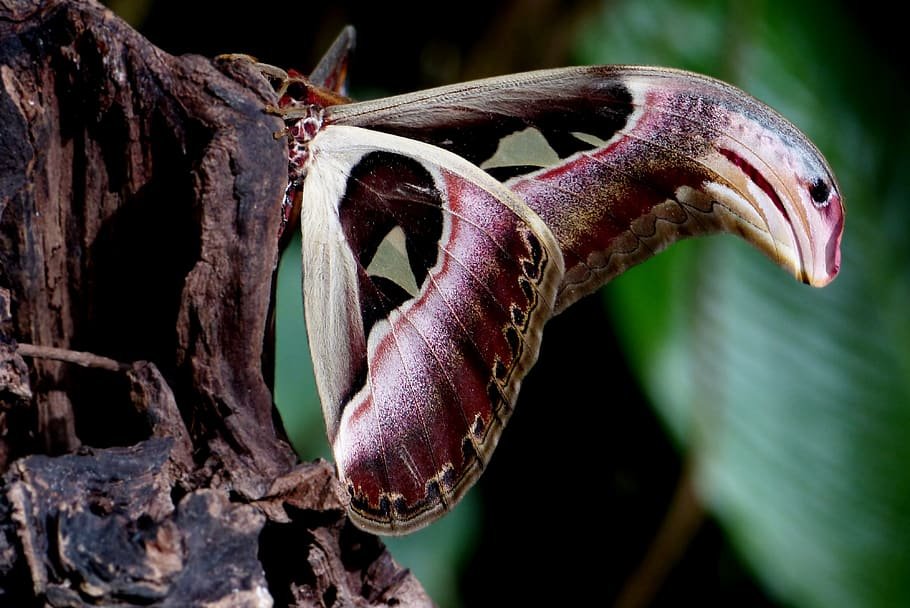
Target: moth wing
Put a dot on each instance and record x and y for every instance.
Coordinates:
(621, 161)
(426, 284)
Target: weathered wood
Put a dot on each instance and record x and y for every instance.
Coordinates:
(139, 209)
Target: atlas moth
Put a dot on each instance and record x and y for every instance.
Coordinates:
(442, 229)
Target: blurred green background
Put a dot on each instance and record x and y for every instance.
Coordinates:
(761, 425)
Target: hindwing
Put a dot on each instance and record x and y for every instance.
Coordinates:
(427, 284)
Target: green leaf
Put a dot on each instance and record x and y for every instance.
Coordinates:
(794, 402)
(295, 384)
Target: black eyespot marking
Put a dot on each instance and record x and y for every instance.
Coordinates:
(499, 371)
(479, 427)
(819, 190)
(519, 318)
(434, 491)
(513, 339)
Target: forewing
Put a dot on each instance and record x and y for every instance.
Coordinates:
(427, 284)
(621, 161)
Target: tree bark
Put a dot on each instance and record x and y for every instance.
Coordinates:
(143, 462)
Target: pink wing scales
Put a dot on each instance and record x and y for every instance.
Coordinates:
(440, 370)
(442, 366)
(613, 207)
(689, 163)
(602, 168)
(629, 159)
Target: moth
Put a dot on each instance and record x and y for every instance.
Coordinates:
(443, 228)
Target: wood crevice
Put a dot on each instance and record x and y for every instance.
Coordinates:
(139, 211)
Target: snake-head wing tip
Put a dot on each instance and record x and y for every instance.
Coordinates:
(822, 258)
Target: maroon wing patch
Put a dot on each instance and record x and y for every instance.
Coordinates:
(442, 229)
(440, 340)
(621, 161)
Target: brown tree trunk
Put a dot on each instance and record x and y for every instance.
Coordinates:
(139, 208)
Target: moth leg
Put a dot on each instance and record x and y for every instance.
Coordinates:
(277, 77)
